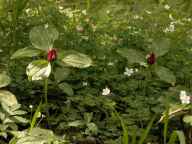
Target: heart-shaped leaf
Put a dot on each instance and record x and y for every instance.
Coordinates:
(38, 70)
(43, 37)
(160, 46)
(133, 56)
(77, 60)
(26, 52)
(165, 75)
(66, 88)
(4, 80)
(8, 98)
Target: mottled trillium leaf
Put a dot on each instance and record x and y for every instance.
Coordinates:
(77, 60)
(160, 46)
(66, 88)
(165, 75)
(4, 80)
(43, 37)
(133, 56)
(8, 98)
(38, 70)
(26, 52)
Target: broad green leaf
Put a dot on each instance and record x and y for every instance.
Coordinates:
(26, 52)
(38, 70)
(19, 119)
(91, 129)
(8, 98)
(61, 74)
(4, 80)
(165, 75)
(66, 88)
(76, 123)
(174, 135)
(133, 56)
(160, 46)
(188, 119)
(43, 37)
(78, 60)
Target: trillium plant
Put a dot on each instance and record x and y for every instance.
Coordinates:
(42, 39)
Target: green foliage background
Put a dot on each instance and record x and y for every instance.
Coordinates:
(109, 29)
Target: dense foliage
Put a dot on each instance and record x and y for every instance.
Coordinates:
(99, 71)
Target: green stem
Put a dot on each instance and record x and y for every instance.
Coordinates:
(46, 90)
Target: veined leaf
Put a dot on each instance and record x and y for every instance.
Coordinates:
(133, 56)
(4, 80)
(8, 98)
(165, 75)
(26, 52)
(43, 37)
(78, 60)
(38, 70)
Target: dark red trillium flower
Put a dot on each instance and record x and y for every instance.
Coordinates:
(51, 55)
(151, 59)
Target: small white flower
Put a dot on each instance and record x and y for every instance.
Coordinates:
(30, 106)
(84, 12)
(108, 11)
(85, 83)
(46, 26)
(79, 28)
(171, 28)
(136, 70)
(167, 7)
(110, 64)
(128, 72)
(184, 98)
(43, 116)
(171, 17)
(106, 91)
(148, 12)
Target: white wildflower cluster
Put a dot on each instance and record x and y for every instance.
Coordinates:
(185, 99)
(167, 7)
(85, 83)
(128, 72)
(106, 91)
(137, 17)
(170, 28)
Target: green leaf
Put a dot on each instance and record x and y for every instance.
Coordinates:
(160, 46)
(165, 75)
(76, 123)
(188, 119)
(38, 70)
(4, 80)
(43, 37)
(26, 52)
(7, 98)
(133, 56)
(174, 136)
(61, 74)
(77, 60)
(66, 88)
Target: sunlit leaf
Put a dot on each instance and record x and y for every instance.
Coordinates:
(43, 37)
(133, 56)
(26, 52)
(38, 70)
(7, 98)
(4, 80)
(66, 88)
(78, 60)
(188, 119)
(165, 75)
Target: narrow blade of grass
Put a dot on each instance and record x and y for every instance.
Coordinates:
(146, 132)
(174, 136)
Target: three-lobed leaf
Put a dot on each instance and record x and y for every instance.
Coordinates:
(43, 37)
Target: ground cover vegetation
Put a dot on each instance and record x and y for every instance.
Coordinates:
(95, 72)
